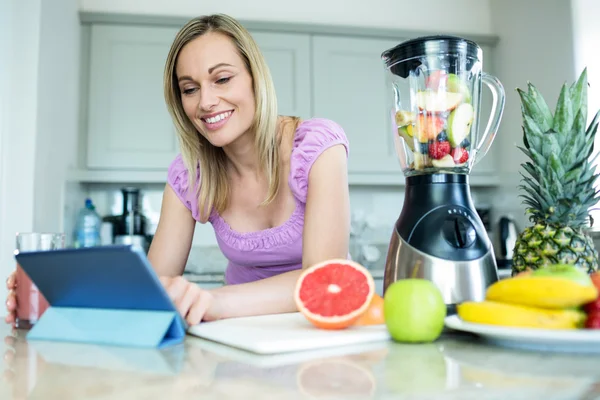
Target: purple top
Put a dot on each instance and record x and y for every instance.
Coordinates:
(257, 255)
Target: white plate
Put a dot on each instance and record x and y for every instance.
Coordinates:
(571, 341)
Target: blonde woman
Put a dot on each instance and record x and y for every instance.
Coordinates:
(274, 188)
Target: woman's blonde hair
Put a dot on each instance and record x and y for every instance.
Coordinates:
(214, 188)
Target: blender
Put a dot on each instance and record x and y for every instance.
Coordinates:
(436, 84)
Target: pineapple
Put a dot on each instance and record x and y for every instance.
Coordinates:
(557, 180)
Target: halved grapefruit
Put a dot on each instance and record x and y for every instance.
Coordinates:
(335, 293)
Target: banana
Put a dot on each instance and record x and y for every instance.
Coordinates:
(512, 315)
(541, 291)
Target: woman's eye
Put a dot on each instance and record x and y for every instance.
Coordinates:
(223, 80)
(189, 91)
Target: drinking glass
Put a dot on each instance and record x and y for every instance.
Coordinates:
(31, 304)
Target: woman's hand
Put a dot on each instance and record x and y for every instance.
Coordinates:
(11, 299)
(193, 303)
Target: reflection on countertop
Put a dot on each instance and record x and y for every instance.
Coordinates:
(456, 366)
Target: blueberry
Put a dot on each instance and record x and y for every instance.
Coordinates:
(442, 136)
(423, 148)
(465, 143)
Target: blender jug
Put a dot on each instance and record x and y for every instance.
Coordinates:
(436, 82)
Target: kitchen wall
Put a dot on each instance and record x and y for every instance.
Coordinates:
(536, 44)
(38, 123)
(465, 16)
(586, 31)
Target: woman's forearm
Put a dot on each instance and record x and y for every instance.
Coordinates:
(272, 295)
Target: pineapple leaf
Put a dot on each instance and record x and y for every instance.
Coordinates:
(530, 169)
(591, 131)
(538, 158)
(556, 165)
(532, 131)
(563, 116)
(549, 145)
(579, 94)
(530, 105)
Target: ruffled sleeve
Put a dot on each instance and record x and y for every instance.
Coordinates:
(177, 178)
(312, 138)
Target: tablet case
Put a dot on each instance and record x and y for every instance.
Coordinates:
(102, 295)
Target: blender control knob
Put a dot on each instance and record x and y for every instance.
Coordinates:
(459, 231)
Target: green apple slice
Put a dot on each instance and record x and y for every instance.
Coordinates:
(437, 102)
(456, 85)
(459, 124)
(446, 161)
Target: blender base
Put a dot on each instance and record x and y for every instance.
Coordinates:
(458, 281)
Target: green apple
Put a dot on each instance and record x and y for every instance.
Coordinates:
(457, 85)
(438, 101)
(414, 311)
(566, 271)
(459, 124)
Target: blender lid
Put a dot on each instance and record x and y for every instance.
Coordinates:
(408, 55)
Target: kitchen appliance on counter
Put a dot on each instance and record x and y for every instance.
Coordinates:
(508, 233)
(130, 226)
(435, 84)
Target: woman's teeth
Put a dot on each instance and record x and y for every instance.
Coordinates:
(217, 118)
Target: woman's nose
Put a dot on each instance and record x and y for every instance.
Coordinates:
(208, 99)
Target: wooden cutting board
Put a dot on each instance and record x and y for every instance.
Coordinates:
(283, 333)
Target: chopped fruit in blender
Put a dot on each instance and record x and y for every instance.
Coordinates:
(404, 118)
(439, 101)
(455, 84)
(437, 79)
(442, 137)
(465, 144)
(459, 123)
(420, 160)
(424, 148)
(429, 126)
(460, 155)
(593, 320)
(405, 133)
(438, 150)
(446, 161)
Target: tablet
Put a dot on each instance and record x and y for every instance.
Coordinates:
(109, 277)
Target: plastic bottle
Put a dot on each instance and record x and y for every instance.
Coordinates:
(87, 226)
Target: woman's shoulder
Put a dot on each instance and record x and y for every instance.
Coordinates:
(178, 179)
(312, 137)
(317, 131)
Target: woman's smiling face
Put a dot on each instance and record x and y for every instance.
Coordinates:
(216, 88)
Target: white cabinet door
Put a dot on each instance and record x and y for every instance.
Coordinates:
(129, 126)
(288, 58)
(349, 87)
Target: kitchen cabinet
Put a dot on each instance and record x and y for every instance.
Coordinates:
(129, 135)
(129, 126)
(350, 88)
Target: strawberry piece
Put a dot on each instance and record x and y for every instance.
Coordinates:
(460, 155)
(592, 307)
(593, 320)
(438, 150)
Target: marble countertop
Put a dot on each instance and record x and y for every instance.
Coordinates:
(456, 366)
